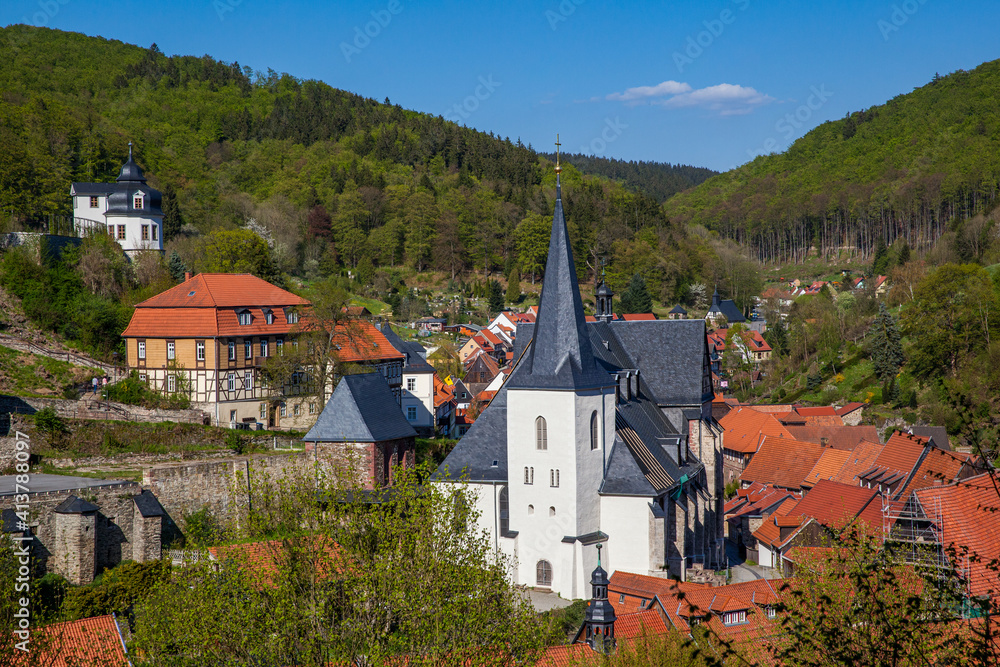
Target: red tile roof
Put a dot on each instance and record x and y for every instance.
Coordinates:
(827, 467)
(968, 519)
(222, 290)
(835, 505)
(837, 437)
(572, 655)
(825, 410)
(88, 641)
(635, 317)
(745, 426)
(938, 467)
(782, 462)
(849, 408)
(862, 458)
(629, 626)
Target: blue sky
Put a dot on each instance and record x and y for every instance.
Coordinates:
(709, 83)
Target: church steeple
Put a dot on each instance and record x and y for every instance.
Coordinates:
(599, 623)
(560, 356)
(605, 300)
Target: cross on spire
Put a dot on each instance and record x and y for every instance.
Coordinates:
(130, 150)
(558, 168)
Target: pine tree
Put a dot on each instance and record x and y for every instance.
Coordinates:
(514, 285)
(777, 337)
(887, 352)
(495, 302)
(172, 220)
(636, 298)
(176, 267)
(881, 261)
(904, 254)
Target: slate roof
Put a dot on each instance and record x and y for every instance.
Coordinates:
(677, 310)
(148, 505)
(672, 355)
(561, 357)
(8, 522)
(414, 353)
(362, 409)
(937, 434)
(728, 309)
(74, 505)
(484, 442)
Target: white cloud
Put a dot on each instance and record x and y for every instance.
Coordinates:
(727, 99)
(645, 92)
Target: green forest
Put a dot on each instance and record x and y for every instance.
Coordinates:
(333, 182)
(917, 167)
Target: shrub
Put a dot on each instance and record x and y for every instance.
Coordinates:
(201, 529)
(116, 591)
(237, 442)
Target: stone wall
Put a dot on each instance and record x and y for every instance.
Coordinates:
(189, 486)
(112, 532)
(91, 409)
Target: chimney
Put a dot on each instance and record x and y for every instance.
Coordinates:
(187, 276)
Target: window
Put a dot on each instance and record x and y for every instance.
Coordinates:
(595, 428)
(269, 317)
(248, 348)
(142, 349)
(552, 511)
(504, 511)
(245, 318)
(111, 230)
(295, 345)
(199, 347)
(296, 409)
(171, 350)
(137, 201)
(145, 232)
(263, 411)
(231, 382)
(411, 413)
(642, 603)
(282, 410)
(553, 478)
(411, 384)
(156, 233)
(142, 378)
(93, 201)
(734, 617)
(543, 574)
(541, 438)
(291, 317)
(621, 599)
(770, 611)
(171, 383)
(121, 232)
(232, 416)
(279, 345)
(531, 510)
(312, 408)
(248, 381)
(529, 475)
(263, 347)
(232, 350)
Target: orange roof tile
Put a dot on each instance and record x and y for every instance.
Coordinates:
(824, 410)
(829, 464)
(849, 408)
(744, 427)
(629, 626)
(834, 504)
(862, 458)
(635, 317)
(572, 655)
(772, 409)
(838, 436)
(782, 462)
(938, 467)
(88, 641)
(223, 290)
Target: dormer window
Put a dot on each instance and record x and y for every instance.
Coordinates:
(245, 318)
(734, 617)
(291, 316)
(137, 202)
(268, 315)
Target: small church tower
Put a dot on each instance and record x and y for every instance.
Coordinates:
(605, 309)
(599, 624)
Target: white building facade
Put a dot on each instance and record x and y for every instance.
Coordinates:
(128, 209)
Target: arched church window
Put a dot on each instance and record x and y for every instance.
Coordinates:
(543, 574)
(552, 511)
(541, 433)
(531, 510)
(595, 427)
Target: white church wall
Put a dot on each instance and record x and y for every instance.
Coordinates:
(629, 524)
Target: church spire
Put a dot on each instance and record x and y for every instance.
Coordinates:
(599, 623)
(560, 356)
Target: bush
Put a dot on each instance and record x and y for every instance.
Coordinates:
(116, 590)
(201, 529)
(237, 442)
(49, 423)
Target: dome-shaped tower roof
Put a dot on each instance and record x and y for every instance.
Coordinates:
(130, 170)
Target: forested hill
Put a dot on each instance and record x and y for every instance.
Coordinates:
(917, 166)
(333, 180)
(660, 180)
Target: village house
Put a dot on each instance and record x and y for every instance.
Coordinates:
(128, 209)
(417, 388)
(211, 335)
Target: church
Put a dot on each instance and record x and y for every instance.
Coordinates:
(129, 209)
(602, 434)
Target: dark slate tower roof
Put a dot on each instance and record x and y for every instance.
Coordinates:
(362, 409)
(130, 170)
(560, 356)
(74, 505)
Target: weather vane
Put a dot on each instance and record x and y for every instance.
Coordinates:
(558, 168)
